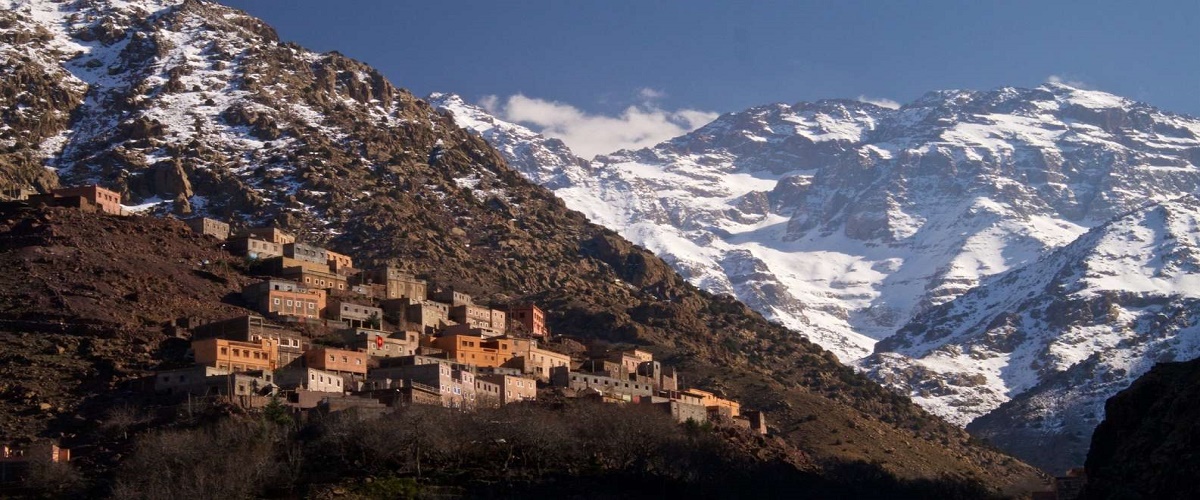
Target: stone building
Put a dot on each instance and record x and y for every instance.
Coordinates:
(511, 389)
(271, 234)
(679, 410)
(535, 361)
(211, 227)
(314, 278)
(285, 298)
(308, 379)
(253, 328)
(190, 380)
(477, 316)
(106, 200)
(626, 389)
(425, 314)
(308, 253)
(454, 381)
(339, 263)
(254, 248)
(452, 297)
(355, 314)
(397, 283)
(385, 345)
(716, 405)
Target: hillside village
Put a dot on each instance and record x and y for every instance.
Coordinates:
(322, 335)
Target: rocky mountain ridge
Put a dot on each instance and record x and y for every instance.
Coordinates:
(193, 108)
(850, 222)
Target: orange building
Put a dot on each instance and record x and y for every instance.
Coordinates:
(304, 303)
(314, 278)
(339, 361)
(473, 350)
(531, 317)
(108, 201)
(237, 356)
(714, 403)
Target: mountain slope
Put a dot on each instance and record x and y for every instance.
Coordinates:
(1145, 447)
(193, 107)
(843, 219)
(1059, 336)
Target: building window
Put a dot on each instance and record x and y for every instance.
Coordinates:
(332, 358)
(276, 301)
(224, 351)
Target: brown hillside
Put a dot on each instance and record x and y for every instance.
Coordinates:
(325, 146)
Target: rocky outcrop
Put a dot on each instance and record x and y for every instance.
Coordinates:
(1146, 445)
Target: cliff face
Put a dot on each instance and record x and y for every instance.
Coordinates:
(1146, 447)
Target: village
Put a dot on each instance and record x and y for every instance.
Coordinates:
(323, 336)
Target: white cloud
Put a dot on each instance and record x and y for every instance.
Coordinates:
(649, 94)
(1069, 81)
(587, 134)
(879, 101)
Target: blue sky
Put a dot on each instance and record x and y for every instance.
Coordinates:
(601, 58)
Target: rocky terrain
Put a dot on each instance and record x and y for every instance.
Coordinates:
(191, 107)
(859, 226)
(1063, 334)
(1146, 445)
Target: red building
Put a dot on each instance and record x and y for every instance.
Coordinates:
(530, 316)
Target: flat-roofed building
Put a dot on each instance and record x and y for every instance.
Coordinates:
(355, 314)
(254, 248)
(454, 381)
(107, 200)
(211, 227)
(451, 296)
(309, 379)
(477, 316)
(271, 234)
(387, 345)
(310, 253)
(528, 319)
(535, 361)
(237, 356)
(253, 328)
(512, 389)
(285, 298)
(624, 389)
(473, 350)
(314, 278)
(340, 361)
(397, 283)
(338, 261)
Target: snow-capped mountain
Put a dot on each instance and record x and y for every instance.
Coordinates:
(1062, 334)
(850, 222)
(843, 219)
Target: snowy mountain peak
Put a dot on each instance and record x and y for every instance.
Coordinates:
(857, 217)
(1057, 337)
(543, 160)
